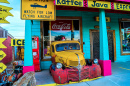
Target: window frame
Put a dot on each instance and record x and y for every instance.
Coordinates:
(122, 20)
(68, 46)
(60, 18)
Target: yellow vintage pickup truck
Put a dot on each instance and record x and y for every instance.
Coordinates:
(69, 64)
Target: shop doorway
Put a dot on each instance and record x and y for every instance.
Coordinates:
(95, 44)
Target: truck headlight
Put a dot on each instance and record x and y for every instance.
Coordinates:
(95, 61)
(58, 65)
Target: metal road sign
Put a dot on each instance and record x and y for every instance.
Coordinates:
(2, 67)
(2, 55)
(4, 1)
(38, 10)
(1, 41)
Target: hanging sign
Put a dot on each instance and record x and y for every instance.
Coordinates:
(78, 3)
(120, 6)
(17, 42)
(2, 55)
(37, 10)
(108, 19)
(2, 67)
(1, 43)
(4, 1)
(61, 25)
(99, 4)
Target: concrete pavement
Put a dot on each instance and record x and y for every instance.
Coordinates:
(120, 77)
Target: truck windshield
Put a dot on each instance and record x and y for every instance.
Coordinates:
(67, 46)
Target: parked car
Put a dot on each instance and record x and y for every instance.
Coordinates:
(69, 64)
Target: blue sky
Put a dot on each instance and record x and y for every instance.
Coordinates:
(17, 26)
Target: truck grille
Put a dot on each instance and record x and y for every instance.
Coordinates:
(73, 75)
(81, 62)
(75, 63)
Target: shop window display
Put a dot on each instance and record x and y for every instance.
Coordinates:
(125, 34)
(59, 30)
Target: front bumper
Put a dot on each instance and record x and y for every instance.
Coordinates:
(61, 76)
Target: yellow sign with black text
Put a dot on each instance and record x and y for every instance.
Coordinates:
(2, 67)
(2, 19)
(99, 4)
(121, 6)
(108, 19)
(78, 3)
(17, 42)
(2, 55)
(4, 12)
(1, 43)
(4, 1)
(38, 10)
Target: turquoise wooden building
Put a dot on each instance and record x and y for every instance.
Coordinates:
(107, 39)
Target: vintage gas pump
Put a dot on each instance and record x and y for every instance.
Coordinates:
(35, 49)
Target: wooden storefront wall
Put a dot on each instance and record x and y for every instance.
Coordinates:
(88, 23)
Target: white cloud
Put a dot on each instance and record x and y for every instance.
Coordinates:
(17, 26)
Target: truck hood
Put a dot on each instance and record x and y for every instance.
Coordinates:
(71, 58)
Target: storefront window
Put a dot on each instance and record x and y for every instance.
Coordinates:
(125, 34)
(59, 30)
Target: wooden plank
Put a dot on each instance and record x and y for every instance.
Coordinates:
(91, 44)
(114, 42)
(41, 33)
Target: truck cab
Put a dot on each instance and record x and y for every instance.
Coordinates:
(69, 64)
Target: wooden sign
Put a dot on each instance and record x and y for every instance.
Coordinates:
(2, 67)
(98, 27)
(4, 1)
(17, 42)
(99, 4)
(4, 12)
(108, 19)
(121, 6)
(78, 3)
(2, 55)
(1, 43)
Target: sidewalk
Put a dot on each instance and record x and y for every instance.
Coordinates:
(120, 77)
